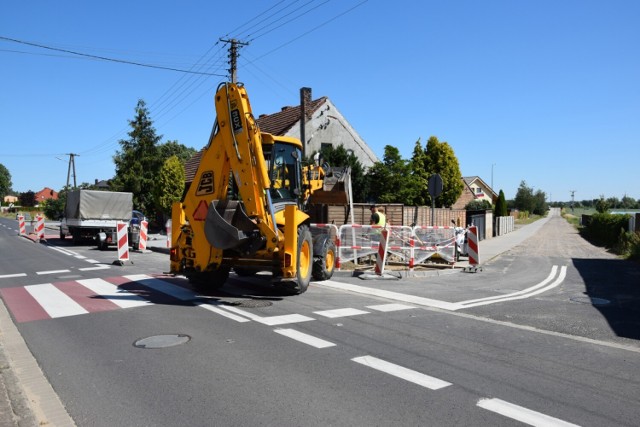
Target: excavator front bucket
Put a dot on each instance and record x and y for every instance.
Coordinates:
(227, 226)
(335, 191)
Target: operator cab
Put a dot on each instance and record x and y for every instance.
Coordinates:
(283, 158)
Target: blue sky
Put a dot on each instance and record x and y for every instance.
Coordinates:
(543, 91)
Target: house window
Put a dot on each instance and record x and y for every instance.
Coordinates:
(326, 145)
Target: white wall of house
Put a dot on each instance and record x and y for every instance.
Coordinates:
(328, 126)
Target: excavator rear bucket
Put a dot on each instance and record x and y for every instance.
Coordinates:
(227, 225)
(335, 191)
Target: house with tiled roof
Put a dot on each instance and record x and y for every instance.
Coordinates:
(324, 125)
(45, 194)
(474, 189)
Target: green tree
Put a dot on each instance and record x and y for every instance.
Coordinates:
(389, 181)
(524, 200)
(169, 185)
(173, 148)
(540, 202)
(419, 170)
(602, 205)
(138, 161)
(5, 181)
(27, 199)
(53, 208)
(441, 159)
(501, 206)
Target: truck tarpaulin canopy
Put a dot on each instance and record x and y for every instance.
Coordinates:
(92, 204)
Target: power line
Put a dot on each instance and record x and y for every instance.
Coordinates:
(104, 58)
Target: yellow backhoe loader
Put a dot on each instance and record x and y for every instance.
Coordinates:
(245, 209)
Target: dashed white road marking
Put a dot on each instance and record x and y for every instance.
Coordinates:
(41, 273)
(385, 308)
(7, 276)
(305, 338)
(340, 312)
(100, 267)
(398, 371)
(270, 320)
(521, 414)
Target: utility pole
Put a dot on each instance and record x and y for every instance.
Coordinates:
(233, 57)
(573, 192)
(72, 164)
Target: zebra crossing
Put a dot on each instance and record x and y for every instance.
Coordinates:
(83, 296)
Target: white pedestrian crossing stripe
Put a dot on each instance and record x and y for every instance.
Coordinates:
(63, 299)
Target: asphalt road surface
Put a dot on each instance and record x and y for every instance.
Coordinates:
(546, 334)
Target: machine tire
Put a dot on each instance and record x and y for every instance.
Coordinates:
(209, 280)
(304, 265)
(325, 258)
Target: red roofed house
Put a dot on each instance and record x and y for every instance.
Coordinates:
(324, 125)
(45, 194)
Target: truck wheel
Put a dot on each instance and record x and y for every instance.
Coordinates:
(209, 280)
(325, 258)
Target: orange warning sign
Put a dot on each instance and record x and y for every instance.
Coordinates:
(200, 214)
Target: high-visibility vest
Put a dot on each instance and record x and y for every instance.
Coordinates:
(382, 219)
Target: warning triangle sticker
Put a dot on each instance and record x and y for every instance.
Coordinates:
(200, 214)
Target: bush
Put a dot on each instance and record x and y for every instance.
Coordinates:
(605, 229)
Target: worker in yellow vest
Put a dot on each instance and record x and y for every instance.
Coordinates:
(377, 216)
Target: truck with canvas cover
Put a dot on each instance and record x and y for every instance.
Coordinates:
(92, 214)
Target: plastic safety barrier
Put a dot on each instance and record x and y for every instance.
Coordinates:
(22, 226)
(432, 240)
(123, 242)
(144, 227)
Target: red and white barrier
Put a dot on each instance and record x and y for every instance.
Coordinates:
(39, 231)
(21, 225)
(472, 245)
(381, 257)
(144, 226)
(123, 242)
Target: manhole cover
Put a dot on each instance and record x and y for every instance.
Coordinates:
(250, 303)
(162, 341)
(590, 300)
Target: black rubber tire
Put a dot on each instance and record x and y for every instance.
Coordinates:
(325, 254)
(304, 265)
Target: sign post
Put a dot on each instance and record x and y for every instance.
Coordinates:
(435, 190)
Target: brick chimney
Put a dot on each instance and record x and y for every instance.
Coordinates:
(305, 101)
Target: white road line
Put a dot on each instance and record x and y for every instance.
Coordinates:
(558, 281)
(109, 291)
(7, 276)
(92, 261)
(521, 414)
(304, 338)
(100, 267)
(390, 307)
(340, 312)
(410, 375)
(411, 299)
(55, 302)
(217, 310)
(163, 287)
(270, 320)
(62, 251)
(41, 273)
(551, 275)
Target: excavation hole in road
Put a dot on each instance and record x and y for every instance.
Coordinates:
(590, 300)
(162, 341)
